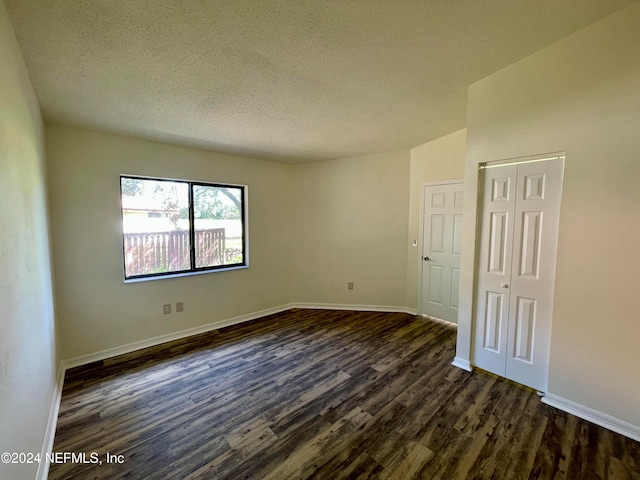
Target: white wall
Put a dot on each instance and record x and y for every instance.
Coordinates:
(96, 310)
(581, 96)
(352, 227)
(28, 362)
(440, 159)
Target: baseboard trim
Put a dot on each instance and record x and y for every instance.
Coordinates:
(356, 307)
(594, 416)
(50, 432)
(169, 337)
(462, 363)
(439, 320)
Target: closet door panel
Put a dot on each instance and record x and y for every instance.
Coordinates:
(494, 268)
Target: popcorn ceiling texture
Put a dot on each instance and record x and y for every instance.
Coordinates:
(287, 80)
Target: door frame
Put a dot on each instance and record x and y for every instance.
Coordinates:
(423, 187)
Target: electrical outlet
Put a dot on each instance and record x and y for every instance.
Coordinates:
(179, 307)
(350, 285)
(336, 285)
(166, 308)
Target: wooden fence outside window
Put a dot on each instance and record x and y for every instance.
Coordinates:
(157, 252)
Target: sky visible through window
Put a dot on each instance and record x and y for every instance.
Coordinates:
(157, 228)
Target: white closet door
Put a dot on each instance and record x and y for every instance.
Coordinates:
(533, 272)
(516, 270)
(494, 268)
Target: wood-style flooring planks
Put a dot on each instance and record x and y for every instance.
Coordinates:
(314, 394)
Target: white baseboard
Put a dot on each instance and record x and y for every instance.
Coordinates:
(594, 416)
(440, 320)
(359, 308)
(50, 433)
(462, 363)
(169, 337)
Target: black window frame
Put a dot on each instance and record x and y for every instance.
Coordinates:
(193, 270)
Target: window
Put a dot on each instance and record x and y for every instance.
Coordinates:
(176, 226)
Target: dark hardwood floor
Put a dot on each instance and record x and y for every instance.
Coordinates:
(321, 394)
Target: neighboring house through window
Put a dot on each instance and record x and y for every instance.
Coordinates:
(173, 227)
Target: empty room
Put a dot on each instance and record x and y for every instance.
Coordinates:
(325, 239)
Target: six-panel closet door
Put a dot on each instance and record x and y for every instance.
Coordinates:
(516, 269)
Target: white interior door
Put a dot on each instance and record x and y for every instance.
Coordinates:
(441, 247)
(494, 268)
(516, 271)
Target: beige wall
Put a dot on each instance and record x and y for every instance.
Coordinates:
(316, 224)
(580, 96)
(351, 226)
(28, 362)
(440, 159)
(96, 310)
(310, 225)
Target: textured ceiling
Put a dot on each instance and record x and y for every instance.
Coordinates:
(289, 80)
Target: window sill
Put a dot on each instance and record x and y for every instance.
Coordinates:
(184, 274)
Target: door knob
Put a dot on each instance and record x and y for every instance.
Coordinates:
(426, 259)
(504, 285)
